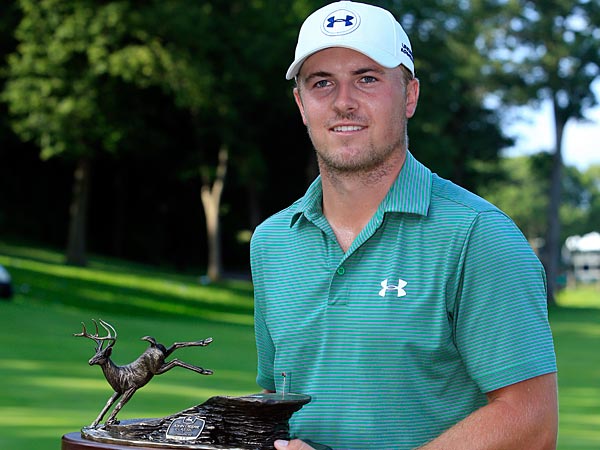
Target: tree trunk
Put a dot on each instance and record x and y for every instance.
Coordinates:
(211, 201)
(552, 245)
(76, 240)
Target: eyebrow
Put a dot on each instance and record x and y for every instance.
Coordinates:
(361, 71)
(320, 74)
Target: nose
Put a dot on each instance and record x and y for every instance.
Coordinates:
(345, 99)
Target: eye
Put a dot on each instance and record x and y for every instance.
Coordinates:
(321, 84)
(368, 79)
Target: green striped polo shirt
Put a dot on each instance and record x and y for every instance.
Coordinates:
(439, 300)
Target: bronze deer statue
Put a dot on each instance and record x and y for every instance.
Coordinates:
(125, 380)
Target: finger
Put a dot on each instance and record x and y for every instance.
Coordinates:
(294, 444)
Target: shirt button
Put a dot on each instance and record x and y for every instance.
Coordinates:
(341, 271)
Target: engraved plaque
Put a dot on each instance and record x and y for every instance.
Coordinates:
(185, 428)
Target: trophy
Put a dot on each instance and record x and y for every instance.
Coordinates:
(247, 422)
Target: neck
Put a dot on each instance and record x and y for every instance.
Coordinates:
(351, 199)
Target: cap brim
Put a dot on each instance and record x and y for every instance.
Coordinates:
(382, 58)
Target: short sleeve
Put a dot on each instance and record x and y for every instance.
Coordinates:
(501, 319)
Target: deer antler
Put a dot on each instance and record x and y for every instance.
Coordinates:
(99, 339)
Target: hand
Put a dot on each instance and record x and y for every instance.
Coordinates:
(294, 444)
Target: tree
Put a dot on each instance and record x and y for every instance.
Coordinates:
(215, 72)
(76, 57)
(201, 54)
(521, 193)
(580, 203)
(56, 90)
(454, 132)
(548, 50)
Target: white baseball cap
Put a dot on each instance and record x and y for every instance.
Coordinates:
(368, 29)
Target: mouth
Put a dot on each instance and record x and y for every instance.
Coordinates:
(347, 128)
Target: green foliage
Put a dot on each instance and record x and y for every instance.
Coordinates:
(219, 60)
(580, 201)
(164, 85)
(453, 130)
(522, 193)
(592, 179)
(547, 49)
(72, 55)
(52, 90)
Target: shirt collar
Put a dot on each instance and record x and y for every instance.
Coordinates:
(311, 204)
(410, 193)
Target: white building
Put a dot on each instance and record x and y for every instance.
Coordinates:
(582, 253)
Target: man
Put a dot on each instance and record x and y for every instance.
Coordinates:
(411, 311)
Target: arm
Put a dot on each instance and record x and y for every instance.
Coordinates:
(522, 416)
(501, 328)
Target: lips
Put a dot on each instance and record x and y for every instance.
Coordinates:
(346, 128)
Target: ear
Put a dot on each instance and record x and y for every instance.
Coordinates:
(108, 352)
(412, 97)
(300, 105)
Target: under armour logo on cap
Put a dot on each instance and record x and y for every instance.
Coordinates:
(332, 20)
(342, 21)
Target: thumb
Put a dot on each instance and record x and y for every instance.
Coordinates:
(294, 444)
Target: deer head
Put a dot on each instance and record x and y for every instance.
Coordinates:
(102, 353)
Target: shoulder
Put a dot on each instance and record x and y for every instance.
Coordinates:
(276, 224)
(448, 195)
(459, 209)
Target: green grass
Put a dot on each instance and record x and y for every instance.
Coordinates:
(48, 389)
(576, 328)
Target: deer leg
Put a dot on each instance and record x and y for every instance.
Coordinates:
(176, 362)
(176, 345)
(126, 396)
(109, 403)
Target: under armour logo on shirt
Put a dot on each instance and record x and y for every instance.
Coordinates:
(399, 288)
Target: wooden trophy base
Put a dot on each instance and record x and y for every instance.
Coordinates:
(74, 441)
(228, 423)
